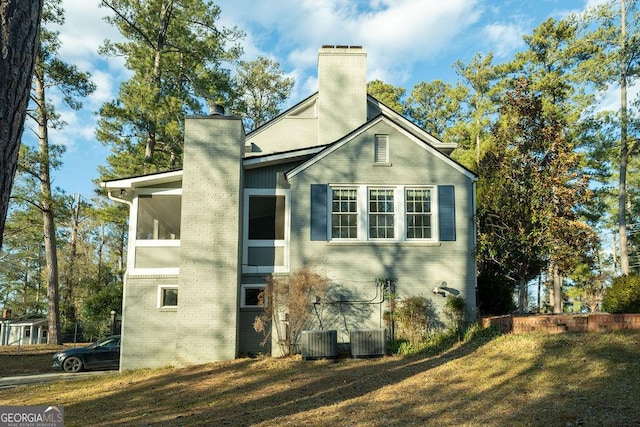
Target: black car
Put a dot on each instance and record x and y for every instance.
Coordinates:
(102, 354)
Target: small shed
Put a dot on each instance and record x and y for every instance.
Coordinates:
(24, 332)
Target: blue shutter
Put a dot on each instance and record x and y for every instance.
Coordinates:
(318, 212)
(447, 212)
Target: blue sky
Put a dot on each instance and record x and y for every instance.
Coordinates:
(407, 41)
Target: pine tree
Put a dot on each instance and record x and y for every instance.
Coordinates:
(176, 52)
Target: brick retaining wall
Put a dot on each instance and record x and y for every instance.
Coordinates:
(563, 323)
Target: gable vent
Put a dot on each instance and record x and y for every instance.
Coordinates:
(381, 149)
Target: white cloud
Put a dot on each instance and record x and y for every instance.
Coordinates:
(397, 34)
(594, 3)
(77, 127)
(84, 31)
(106, 89)
(82, 34)
(505, 38)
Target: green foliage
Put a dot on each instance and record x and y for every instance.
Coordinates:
(260, 89)
(473, 132)
(439, 342)
(528, 191)
(414, 319)
(588, 288)
(99, 305)
(477, 333)
(176, 51)
(623, 296)
(432, 344)
(435, 106)
(417, 326)
(389, 95)
(454, 309)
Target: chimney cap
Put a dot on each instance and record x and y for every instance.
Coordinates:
(340, 46)
(216, 109)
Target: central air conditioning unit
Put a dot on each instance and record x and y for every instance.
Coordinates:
(368, 342)
(319, 345)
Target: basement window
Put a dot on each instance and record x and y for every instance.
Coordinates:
(251, 296)
(167, 296)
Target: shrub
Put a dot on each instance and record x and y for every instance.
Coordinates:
(290, 296)
(623, 296)
(477, 332)
(454, 310)
(413, 317)
(441, 341)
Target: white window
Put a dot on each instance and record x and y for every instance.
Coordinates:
(381, 149)
(252, 296)
(167, 296)
(381, 213)
(155, 223)
(399, 213)
(418, 211)
(344, 213)
(266, 231)
(158, 217)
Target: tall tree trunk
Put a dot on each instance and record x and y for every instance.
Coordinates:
(46, 206)
(68, 304)
(624, 145)
(165, 18)
(100, 251)
(19, 34)
(523, 296)
(478, 147)
(556, 287)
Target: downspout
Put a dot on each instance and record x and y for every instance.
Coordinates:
(116, 199)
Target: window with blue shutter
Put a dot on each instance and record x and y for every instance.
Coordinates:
(413, 212)
(318, 212)
(447, 212)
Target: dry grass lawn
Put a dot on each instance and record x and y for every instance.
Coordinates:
(27, 359)
(514, 380)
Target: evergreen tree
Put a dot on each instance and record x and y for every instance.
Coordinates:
(436, 107)
(51, 73)
(176, 52)
(473, 131)
(260, 89)
(615, 29)
(389, 95)
(528, 189)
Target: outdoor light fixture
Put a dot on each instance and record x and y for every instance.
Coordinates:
(442, 289)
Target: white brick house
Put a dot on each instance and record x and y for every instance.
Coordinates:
(339, 181)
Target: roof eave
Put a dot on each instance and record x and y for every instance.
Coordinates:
(142, 180)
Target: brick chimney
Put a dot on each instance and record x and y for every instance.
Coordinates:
(342, 91)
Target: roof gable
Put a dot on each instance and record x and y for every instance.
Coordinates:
(446, 147)
(421, 139)
(294, 129)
